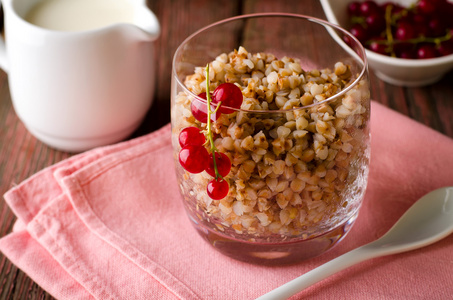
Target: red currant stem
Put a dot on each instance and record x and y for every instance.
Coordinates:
(210, 138)
(422, 39)
(395, 17)
(358, 20)
(388, 28)
(218, 106)
(435, 40)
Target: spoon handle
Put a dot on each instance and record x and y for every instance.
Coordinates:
(300, 283)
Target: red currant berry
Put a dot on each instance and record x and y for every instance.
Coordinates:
(378, 47)
(200, 111)
(223, 164)
(194, 158)
(347, 40)
(405, 50)
(218, 188)
(369, 7)
(426, 51)
(191, 136)
(421, 30)
(426, 6)
(406, 17)
(354, 8)
(359, 32)
(445, 48)
(404, 32)
(407, 54)
(436, 28)
(375, 22)
(230, 95)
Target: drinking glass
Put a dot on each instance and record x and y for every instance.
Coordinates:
(299, 145)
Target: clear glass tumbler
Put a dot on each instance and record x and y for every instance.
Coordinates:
(298, 145)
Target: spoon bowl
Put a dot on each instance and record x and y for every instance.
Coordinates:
(427, 221)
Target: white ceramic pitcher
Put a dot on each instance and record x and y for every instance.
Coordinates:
(82, 89)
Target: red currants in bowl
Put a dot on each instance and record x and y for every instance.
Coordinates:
(420, 31)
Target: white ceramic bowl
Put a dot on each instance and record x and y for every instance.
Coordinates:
(397, 71)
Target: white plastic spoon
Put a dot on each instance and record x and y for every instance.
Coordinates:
(429, 220)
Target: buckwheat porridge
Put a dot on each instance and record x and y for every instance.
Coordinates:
(295, 173)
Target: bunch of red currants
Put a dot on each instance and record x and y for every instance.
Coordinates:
(422, 30)
(194, 157)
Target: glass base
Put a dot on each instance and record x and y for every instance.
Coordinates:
(275, 253)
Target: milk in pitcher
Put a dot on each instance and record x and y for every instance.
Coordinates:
(79, 15)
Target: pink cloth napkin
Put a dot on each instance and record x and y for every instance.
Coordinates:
(109, 224)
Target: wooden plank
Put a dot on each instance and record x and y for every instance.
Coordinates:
(441, 95)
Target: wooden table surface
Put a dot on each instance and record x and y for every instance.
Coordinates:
(21, 155)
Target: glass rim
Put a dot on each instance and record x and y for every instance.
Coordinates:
(322, 22)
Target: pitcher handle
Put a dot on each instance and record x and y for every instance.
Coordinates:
(3, 57)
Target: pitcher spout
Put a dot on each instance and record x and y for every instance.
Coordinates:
(143, 25)
(147, 22)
